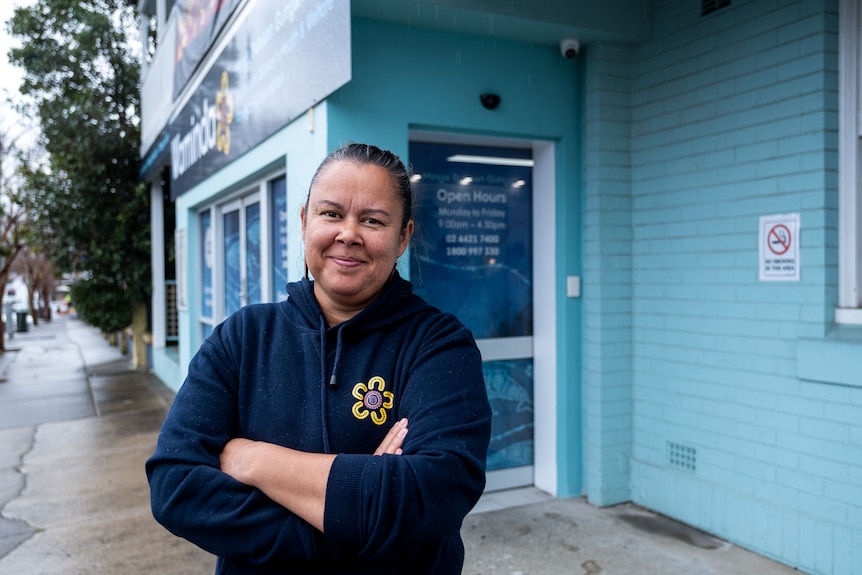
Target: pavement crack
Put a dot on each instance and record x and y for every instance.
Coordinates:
(13, 482)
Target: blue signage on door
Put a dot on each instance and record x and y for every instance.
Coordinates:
(473, 250)
(472, 256)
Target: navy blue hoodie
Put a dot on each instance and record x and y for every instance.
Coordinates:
(278, 373)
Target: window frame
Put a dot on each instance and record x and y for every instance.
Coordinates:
(849, 310)
(259, 191)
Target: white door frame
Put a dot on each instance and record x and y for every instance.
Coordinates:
(544, 470)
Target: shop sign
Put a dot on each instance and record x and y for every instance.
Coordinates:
(284, 58)
(198, 25)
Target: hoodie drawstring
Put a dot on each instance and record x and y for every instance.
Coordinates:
(322, 347)
(323, 417)
(333, 380)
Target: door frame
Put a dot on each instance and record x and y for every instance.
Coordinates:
(544, 469)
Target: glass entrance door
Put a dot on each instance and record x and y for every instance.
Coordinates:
(473, 257)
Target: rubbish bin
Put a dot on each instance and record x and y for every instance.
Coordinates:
(22, 321)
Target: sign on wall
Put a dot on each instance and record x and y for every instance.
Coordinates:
(284, 58)
(779, 247)
(198, 25)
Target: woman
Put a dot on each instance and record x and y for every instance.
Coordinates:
(287, 448)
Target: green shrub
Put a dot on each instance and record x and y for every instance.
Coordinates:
(105, 306)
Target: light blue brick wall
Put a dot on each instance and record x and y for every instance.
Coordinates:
(734, 116)
(607, 267)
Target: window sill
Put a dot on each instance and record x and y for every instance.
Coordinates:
(833, 359)
(848, 316)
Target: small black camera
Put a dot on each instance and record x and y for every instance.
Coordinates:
(489, 101)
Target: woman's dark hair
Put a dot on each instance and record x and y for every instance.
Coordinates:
(367, 154)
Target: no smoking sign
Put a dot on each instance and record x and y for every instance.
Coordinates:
(778, 239)
(779, 247)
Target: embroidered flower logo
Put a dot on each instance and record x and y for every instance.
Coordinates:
(373, 400)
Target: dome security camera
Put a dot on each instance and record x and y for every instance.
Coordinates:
(569, 48)
(489, 101)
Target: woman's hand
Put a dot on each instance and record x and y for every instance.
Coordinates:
(391, 444)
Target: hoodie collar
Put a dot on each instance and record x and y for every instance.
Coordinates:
(386, 309)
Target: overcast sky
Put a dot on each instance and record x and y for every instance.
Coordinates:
(10, 76)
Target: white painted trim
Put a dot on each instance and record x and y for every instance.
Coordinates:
(545, 318)
(157, 260)
(505, 348)
(849, 204)
(509, 478)
(267, 258)
(181, 270)
(848, 316)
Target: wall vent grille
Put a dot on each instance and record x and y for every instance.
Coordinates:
(172, 327)
(710, 6)
(681, 456)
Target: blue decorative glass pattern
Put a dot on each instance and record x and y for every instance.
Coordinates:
(510, 392)
(252, 253)
(207, 255)
(279, 238)
(231, 245)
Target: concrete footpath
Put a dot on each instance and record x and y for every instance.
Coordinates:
(77, 422)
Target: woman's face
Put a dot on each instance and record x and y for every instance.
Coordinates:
(352, 229)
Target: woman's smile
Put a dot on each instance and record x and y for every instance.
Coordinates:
(347, 262)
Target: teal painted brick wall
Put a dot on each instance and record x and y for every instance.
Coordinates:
(734, 116)
(607, 265)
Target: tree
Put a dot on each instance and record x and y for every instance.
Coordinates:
(38, 274)
(13, 224)
(89, 209)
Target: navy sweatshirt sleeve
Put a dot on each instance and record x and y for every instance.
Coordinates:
(383, 506)
(193, 498)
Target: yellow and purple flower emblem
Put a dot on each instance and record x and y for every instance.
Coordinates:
(373, 400)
